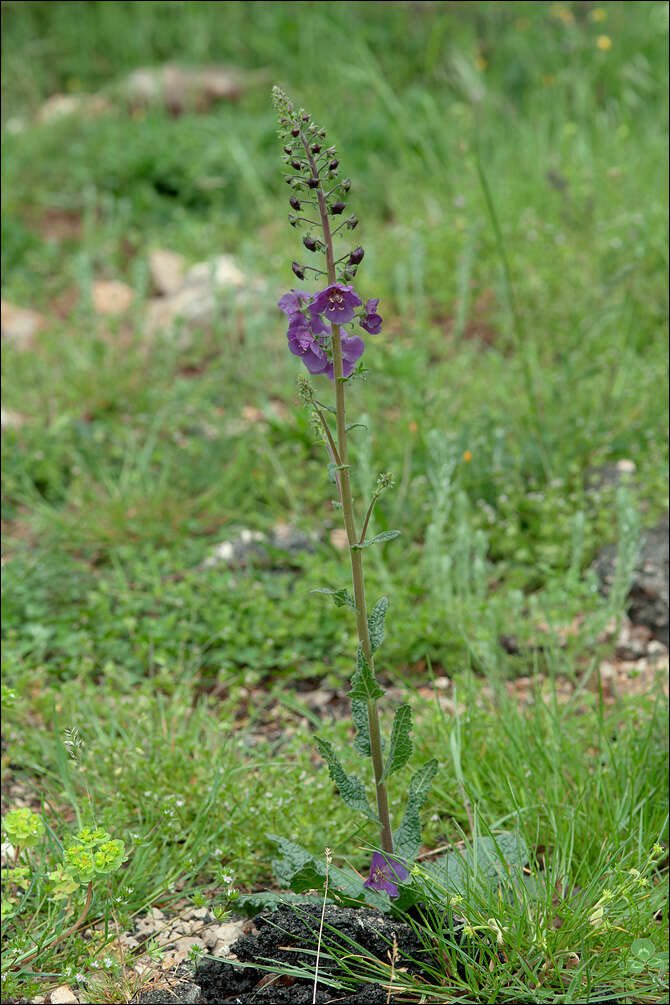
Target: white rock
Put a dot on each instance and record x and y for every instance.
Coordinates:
(19, 324)
(111, 297)
(10, 419)
(63, 996)
(60, 105)
(182, 948)
(197, 301)
(626, 466)
(167, 269)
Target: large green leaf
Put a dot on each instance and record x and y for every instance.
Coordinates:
(485, 860)
(359, 712)
(400, 747)
(407, 839)
(364, 684)
(376, 622)
(350, 787)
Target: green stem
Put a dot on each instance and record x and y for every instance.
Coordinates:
(350, 526)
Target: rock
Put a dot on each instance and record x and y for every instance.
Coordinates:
(166, 269)
(111, 297)
(176, 991)
(339, 539)
(196, 303)
(20, 324)
(63, 996)
(252, 544)
(222, 935)
(648, 597)
(179, 88)
(60, 105)
(10, 419)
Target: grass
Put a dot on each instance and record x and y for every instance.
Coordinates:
(509, 172)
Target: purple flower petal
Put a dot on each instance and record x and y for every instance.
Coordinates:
(336, 303)
(371, 306)
(372, 323)
(385, 874)
(292, 302)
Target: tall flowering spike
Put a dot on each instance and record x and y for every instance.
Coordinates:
(317, 330)
(313, 178)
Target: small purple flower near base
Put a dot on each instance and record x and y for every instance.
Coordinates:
(385, 874)
(372, 322)
(336, 303)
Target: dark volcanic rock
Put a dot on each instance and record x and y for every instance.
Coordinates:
(281, 930)
(648, 597)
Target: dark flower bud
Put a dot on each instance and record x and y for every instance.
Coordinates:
(310, 243)
(305, 117)
(298, 270)
(296, 165)
(288, 150)
(295, 202)
(352, 223)
(313, 182)
(293, 220)
(337, 208)
(333, 165)
(322, 133)
(346, 184)
(295, 132)
(283, 121)
(356, 256)
(316, 148)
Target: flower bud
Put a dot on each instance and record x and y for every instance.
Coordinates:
(346, 185)
(310, 243)
(296, 165)
(295, 202)
(337, 208)
(316, 148)
(356, 256)
(293, 220)
(333, 165)
(313, 182)
(295, 132)
(298, 270)
(305, 117)
(352, 222)
(288, 150)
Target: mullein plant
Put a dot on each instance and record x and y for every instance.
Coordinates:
(324, 331)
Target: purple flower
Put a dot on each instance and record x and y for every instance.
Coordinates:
(385, 874)
(352, 350)
(372, 322)
(301, 342)
(336, 303)
(292, 302)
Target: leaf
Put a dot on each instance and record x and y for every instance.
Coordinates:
(407, 839)
(350, 787)
(386, 535)
(300, 870)
(341, 598)
(355, 425)
(400, 748)
(376, 623)
(359, 712)
(364, 684)
(485, 861)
